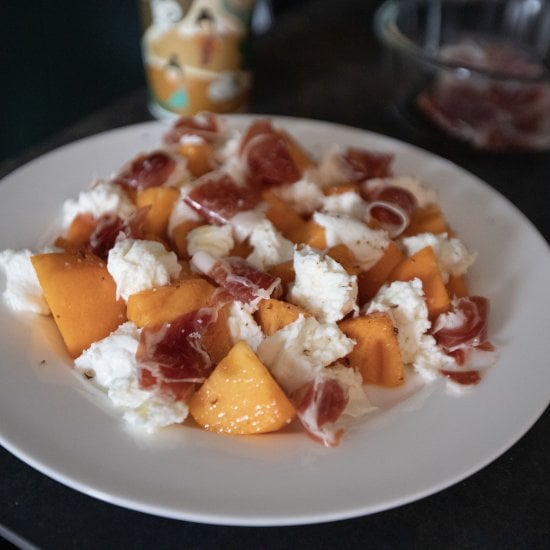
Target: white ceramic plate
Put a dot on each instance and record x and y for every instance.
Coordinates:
(422, 440)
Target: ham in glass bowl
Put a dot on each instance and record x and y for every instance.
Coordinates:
(476, 70)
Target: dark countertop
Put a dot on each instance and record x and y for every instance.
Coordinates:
(334, 77)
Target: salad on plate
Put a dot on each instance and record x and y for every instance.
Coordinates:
(233, 279)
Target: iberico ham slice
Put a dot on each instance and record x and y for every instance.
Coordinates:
(147, 170)
(262, 126)
(171, 357)
(464, 326)
(218, 198)
(110, 227)
(239, 278)
(266, 156)
(390, 208)
(462, 333)
(204, 125)
(362, 164)
(323, 402)
(387, 216)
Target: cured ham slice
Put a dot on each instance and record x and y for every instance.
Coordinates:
(324, 401)
(110, 227)
(465, 326)
(353, 164)
(462, 333)
(204, 125)
(218, 198)
(147, 170)
(170, 356)
(363, 164)
(390, 207)
(266, 156)
(239, 278)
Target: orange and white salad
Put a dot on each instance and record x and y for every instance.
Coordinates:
(234, 279)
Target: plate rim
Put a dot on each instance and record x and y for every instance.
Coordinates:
(305, 518)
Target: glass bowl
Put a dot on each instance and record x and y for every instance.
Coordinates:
(475, 70)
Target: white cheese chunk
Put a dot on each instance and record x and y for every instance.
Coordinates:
(304, 195)
(231, 162)
(332, 168)
(137, 265)
(182, 212)
(242, 325)
(244, 223)
(112, 366)
(22, 291)
(296, 353)
(270, 247)
(405, 303)
(322, 285)
(215, 239)
(105, 197)
(452, 255)
(368, 245)
(348, 203)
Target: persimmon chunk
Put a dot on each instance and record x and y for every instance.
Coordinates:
(273, 315)
(164, 304)
(369, 282)
(424, 265)
(241, 397)
(217, 340)
(376, 354)
(457, 286)
(302, 159)
(310, 233)
(429, 219)
(281, 214)
(82, 296)
(199, 155)
(161, 201)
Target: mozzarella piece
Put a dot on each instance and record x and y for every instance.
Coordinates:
(270, 247)
(367, 244)
(244, 223)
(182, 212)
(304, 195)
(137, 265)
(22, 291)
(332, 169)
(348, 203)
(242, 326)
(405, 303)
(214, 239)
(112, 365)
(105, 197)
(452, 255)
(296, 353)
(230, 160)
(322, 285)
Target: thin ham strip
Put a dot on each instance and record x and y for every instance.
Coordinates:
(239, 278)
(147, 170)
(109, 228)
(323, 402)
(267, 157)
(363, 164)
(203, 125)
(218, 198)
(170, 356)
